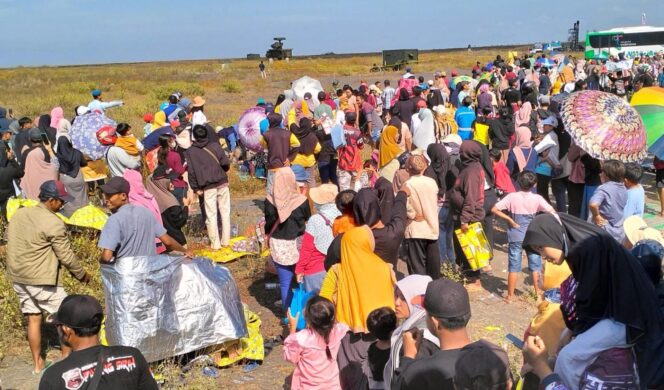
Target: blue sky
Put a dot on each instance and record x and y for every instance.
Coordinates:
(59, 32)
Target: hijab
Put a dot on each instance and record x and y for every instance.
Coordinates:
(440, 165)
(57, 114)
(522, 117)
(69, 158)
(365, 281)
(319, 226)
(366, 207)
(159, 121)
(301, 110)
(159, 188)
(413, 288)
(285, 196)
(611, 282)
(38, 169)
(424, 135)
(385, 193)
(305, 135)
(139, 196)
(44, 124)
(395, 121)
(523, 141)
(389, 145)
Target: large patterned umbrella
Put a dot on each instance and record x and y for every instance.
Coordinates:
(83, 134)
(605, 126)
(248, 128)
(307, 84)
(649, 103)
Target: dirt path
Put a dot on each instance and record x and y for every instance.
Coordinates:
(492, 317)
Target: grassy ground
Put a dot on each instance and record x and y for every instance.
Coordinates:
(229, 89)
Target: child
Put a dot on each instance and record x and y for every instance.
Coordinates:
(381, 323)
(127, 141)
(313, 350)
(147, 129)
(504, 183)
(344, 201)
(607, 204)
(636, 196)
(522, 207)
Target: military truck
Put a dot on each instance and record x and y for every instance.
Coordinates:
(397, 59)
(277, 50)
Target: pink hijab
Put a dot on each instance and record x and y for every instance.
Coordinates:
(523, 141)
(522, 117)
(56, 116)
(139, 196)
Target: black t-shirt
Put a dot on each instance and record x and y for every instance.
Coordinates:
(125, 369)
(377, 360)
(433, 372)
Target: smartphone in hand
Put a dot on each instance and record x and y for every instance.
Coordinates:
(515, 340)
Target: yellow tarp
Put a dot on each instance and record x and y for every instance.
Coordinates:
(89, 216)
(250, 347)
(224, 255)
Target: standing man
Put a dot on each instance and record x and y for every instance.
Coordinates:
(350, 157)
(99, 105)
(370, 122)
(38, 252)
(387, 96)
(130, 231)
(207, 164)
(261, 67)
(78, 321)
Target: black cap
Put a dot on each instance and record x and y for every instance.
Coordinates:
(482, 365)
(307, 95)
(78, 311)
(117, 185)
(54, 189)
(35, 134)
(446, 298)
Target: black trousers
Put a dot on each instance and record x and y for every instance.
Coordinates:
(490, 199)
(423, 257)
(543, 187)
(575, 197)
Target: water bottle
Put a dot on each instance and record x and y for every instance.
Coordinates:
(210, 372)
(234, 230)
(271, 286)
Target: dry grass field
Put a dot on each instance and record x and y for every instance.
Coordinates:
(229, 87)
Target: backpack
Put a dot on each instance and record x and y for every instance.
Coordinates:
(614, 368)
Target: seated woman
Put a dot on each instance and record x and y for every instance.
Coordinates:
(173, 216)
(610, 301)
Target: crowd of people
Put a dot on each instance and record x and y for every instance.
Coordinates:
(358, 181)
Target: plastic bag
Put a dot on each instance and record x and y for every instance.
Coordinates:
(299, 301)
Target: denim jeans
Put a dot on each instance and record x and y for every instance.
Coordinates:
(445, 234)
(514, 259)
(180, 193)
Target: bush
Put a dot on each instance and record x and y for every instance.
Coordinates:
(231, 86)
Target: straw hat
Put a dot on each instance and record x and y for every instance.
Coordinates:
(636, 229)
(323, 194)
(198, 102)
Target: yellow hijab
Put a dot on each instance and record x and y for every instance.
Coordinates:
(365, 281)
(389, 146)
(159, 120)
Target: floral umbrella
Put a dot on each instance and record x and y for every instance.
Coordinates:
(605, 126)
(248, 127)
(83, 133)
(307, 84)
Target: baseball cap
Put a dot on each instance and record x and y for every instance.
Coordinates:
(307, 96)
(162, 171)
(117, 185)
(260, 102)
(636, 229)
(96, 92)
(550, 120)
(545, 99)
(446, 298)
(482, 365)
(54, 189)
(78, 311)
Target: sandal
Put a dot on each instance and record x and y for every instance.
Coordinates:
(47, 364)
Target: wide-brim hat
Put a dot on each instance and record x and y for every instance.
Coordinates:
(636, 229)
(198, 102)
(324, 194)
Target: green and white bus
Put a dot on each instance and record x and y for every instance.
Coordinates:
(631, 41)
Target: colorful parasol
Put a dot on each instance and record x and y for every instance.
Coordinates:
(605, 126)
(248, 128)
(649, 103)
(83, 134)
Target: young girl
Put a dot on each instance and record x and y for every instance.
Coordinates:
(313, 350)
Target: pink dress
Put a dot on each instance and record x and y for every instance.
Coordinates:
(313, 370)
